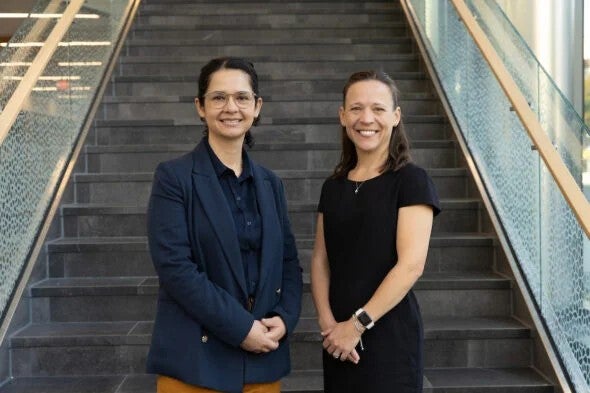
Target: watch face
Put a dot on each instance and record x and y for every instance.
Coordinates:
(364, 318)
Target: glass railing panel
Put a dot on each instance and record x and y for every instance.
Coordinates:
(546, 239)
(38, 146)
(562, 281)
(556, 114)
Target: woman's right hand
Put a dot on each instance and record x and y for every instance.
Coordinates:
(327, 325)
(257, 341)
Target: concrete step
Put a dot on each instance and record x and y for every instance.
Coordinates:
(277, 107)
(162, 131)
(180, 85)
(327, 19)
(436, 380)
(121, 347)
(393, 46)
(224, 34)
(278, 156)
(96, 299)
(64, 334)
(108, 220)
(134, 188)
(266, 40)
(266, 8)
(129, 66)
(129, 256)
(232, 2)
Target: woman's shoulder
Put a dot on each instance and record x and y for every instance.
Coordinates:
(411, 172)
(176, 167)
(332, 182)
(410, 169)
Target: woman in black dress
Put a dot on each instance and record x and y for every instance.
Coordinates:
(373, 229)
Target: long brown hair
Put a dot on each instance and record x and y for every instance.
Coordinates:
(399, 146)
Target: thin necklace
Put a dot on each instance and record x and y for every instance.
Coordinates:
(358, 185)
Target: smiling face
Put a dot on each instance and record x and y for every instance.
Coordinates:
(369, 116)
(229, 122)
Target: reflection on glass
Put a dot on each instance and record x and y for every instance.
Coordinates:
(545, 237)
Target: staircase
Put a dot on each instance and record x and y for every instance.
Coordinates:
(92, 317)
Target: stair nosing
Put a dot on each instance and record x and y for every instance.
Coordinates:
(125, 332)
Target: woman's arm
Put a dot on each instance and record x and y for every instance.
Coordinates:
(320, 278)
(414, 225)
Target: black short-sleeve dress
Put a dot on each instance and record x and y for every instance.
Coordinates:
(360, 236)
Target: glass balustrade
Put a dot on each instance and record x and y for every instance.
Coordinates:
(38, 146)
(546, 239)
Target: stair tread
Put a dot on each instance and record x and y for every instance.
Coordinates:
(299, 381)
(262, 78)
(408, 119)
(139, 332)
(148, 285)
(256, 58)
(259, 146)
(486, 377)
(291, 30)
(445, 379)
(188, 41)
(264, 8)
(122, 99)
(81, 244)
(282, 173)
(293, 206)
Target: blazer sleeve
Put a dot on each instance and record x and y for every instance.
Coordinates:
(170, 247)
(289, 308)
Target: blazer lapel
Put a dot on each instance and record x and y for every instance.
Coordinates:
(212, 197)
(271, 227)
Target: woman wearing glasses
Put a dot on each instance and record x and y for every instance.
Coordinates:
(221, 243)
(375, 217)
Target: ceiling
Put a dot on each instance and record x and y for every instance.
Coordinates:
(8, 26)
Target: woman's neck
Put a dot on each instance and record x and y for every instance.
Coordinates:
(229, 153)
(368, 165)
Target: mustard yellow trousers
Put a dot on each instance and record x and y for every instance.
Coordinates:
(172, 385)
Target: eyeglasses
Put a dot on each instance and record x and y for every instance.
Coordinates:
(219, 99)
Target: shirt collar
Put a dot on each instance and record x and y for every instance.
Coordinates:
(221, 169)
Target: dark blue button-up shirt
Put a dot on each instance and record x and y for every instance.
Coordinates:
(241, 198)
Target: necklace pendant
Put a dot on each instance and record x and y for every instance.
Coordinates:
(356, 191)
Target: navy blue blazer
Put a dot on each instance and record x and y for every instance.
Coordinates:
(202, 313)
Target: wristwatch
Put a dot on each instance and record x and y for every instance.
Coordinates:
(364, 318)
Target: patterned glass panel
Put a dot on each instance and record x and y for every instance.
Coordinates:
(545, 236)
(39, 144)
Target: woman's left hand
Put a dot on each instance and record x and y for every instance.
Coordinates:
(340, 341)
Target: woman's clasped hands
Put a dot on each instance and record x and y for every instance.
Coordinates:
(341, 339)
(264, 336)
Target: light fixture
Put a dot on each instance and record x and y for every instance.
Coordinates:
(20, 15)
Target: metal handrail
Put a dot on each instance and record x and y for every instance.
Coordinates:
(562, 176)
(19, 97)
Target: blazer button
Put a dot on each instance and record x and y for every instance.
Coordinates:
(278, 291)
(204, 339)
